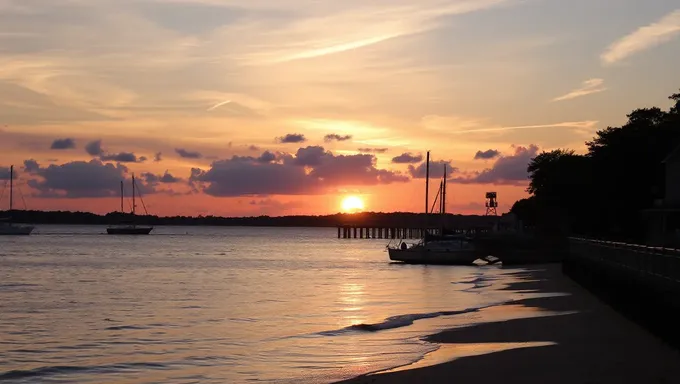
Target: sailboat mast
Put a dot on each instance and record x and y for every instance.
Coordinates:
(427, 190)
(133, 194)
(441, 195)
(444, 192)
(11, 187)
(122, 192)
(427, 182)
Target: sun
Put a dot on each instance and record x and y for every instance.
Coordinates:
(352, 204)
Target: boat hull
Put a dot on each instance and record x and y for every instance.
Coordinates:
(16, 230)
(429, 256)
(129, 231)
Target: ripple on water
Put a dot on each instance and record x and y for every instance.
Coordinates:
(46, 371)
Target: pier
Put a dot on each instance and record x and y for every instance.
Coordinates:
(353, 232)
(361, 232)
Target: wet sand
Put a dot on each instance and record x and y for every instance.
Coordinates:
(587, 342)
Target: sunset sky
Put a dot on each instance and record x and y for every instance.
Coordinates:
(281, 107)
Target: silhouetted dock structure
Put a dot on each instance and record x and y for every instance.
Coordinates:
(360, 232)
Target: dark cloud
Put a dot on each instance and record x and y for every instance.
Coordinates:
(158, 157)
(373, 150)
(486, 155)
(436, 169)
(165, 178)
(79, 179)
(31, 166)
(313, 170)
(63, 144)
(236, 177)
(407, 158)
(309, 156)
(123, 157)
(195, 173)
(4, 173)
(353, 170)
(292, 138)
(94, 148)
(335, 137)
(508, 170)
(254, 148)
(188, 154)
(266, 157)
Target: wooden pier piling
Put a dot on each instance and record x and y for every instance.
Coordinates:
(361, 232)
(405, 233)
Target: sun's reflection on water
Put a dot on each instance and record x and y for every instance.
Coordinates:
(352, 298)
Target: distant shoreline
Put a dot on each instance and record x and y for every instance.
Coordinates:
(361, 219)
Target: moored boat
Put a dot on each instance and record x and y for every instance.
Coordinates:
(454, 251)
(7, 227)
(11, 229)
(448, 249)
(129, 228)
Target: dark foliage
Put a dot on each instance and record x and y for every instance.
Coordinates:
(603, 192)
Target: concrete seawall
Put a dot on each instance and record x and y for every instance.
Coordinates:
(641, 282)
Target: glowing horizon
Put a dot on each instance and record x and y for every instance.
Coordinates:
(285, 107)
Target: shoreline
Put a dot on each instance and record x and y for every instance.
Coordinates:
(572, 338)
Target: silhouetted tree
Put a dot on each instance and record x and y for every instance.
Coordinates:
(602, 192)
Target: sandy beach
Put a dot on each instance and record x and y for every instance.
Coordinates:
(573, 338)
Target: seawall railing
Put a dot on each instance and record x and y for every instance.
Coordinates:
(640, 281)
(656, 263)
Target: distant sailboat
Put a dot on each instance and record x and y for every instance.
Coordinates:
(7, 227)
(129, 228)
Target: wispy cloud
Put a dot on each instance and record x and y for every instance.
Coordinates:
(335, 29)
(588, 124)
(218, 105)
(587, 88)
(662, 31)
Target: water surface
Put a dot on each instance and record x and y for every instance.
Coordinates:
(221, 305)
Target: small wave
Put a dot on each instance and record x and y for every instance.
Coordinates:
(12, 286)
(243, 319)
(66, 369)
(477, 286)
(125, 327)
(398, 321)
(138, 327)
(478, 280)
(42, 371)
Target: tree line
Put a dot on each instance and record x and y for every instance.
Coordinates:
(604, 192)
(362, 219)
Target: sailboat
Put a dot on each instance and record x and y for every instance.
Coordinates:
(448, 249)
(129, 228)
(6, 225)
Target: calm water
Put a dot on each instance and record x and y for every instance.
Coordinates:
(221, 305)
